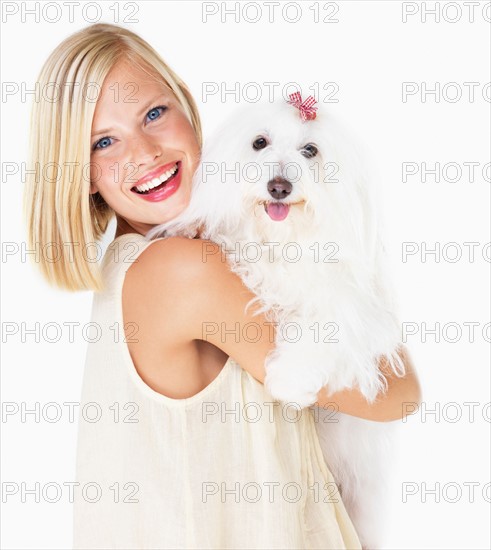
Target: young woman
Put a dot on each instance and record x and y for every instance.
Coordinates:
(188, 450)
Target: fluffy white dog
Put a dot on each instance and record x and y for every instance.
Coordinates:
(290, 202)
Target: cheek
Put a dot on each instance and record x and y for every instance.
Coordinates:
(110, 170)
(106, 174)
(96, 174)
(99, 173)
(184, 134)
(127, 173)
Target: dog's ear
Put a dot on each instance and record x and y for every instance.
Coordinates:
(347, 177)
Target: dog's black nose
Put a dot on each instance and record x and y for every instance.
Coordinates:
(279, 188)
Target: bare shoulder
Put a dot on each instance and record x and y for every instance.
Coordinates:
(190, 282)
(157, 301)
(184, 278)
(179, 261)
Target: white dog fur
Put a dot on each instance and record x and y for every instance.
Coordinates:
(323, 281)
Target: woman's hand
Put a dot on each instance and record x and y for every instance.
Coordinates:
(390, 405)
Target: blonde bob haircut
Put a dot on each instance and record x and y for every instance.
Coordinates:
(64, 221)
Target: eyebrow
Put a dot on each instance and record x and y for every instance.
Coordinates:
(140, 113)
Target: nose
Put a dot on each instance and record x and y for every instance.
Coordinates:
(145, 149)
(279, 188)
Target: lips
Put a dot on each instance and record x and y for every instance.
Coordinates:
(156, 179)
(159, 184)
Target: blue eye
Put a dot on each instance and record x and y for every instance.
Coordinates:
(103, 143)
(155, 113)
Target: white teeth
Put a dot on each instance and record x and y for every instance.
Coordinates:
(156, 181)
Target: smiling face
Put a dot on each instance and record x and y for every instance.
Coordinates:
(144, 150)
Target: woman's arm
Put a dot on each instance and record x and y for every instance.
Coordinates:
(390, 405)
(206, 301)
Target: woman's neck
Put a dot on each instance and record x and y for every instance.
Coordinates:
(123, 227)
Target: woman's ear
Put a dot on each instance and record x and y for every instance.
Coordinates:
(93, 189)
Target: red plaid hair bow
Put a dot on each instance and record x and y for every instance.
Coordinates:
(306, 108)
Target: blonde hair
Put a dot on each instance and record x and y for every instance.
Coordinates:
(58, 209)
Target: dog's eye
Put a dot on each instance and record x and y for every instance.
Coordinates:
(309, 151)
(259, 143)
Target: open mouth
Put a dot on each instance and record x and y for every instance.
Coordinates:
(159, 183)
(277, 211)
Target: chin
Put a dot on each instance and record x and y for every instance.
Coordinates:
(292, 201)
(174, 207)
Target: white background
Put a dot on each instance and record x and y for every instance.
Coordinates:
(369, 53)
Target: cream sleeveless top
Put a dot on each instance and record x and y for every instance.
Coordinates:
(228, 468)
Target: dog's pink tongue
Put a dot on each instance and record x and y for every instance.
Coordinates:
(277, 211)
